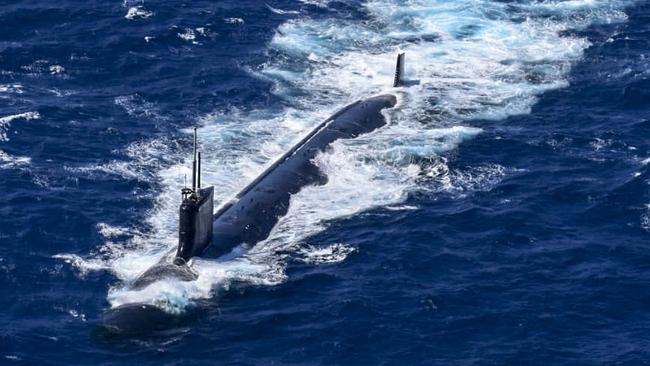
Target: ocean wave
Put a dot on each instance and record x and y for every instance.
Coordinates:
(9, 161)
(138, 12)
(137, 106)
(645, 218)
(280, 11)
(324, 255)
(6, 121)
(477, 59)
(11, 89)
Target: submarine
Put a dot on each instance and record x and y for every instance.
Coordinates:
(251, 214)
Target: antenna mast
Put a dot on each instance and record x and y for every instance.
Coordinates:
(194, 164)
(198, 175)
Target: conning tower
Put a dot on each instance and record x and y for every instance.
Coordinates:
(195, 214)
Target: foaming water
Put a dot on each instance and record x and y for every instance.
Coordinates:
(465, 60)
(8, 161)
(6, 121)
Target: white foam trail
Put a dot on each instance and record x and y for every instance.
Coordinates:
(468, 59)
(234, 21)
(280, 11)
(188, 35)
(136, 12)
(145, 159)
(645, 218)
(6, 121)
(137, 106)
(108, 231)
(321, 255)
(401, 208)
(56, 69)
(462, 181)
(10, 89)
(319, 3)
(8, 161)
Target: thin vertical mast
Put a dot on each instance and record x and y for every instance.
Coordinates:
(198, 173)
(194, 163)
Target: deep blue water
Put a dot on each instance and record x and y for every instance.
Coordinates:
(502, 219)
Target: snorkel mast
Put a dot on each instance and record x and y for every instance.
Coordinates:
(196, 173)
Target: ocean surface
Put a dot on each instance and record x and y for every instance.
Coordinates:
(501, 218)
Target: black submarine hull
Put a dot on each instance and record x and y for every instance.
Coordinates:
(249, 217)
